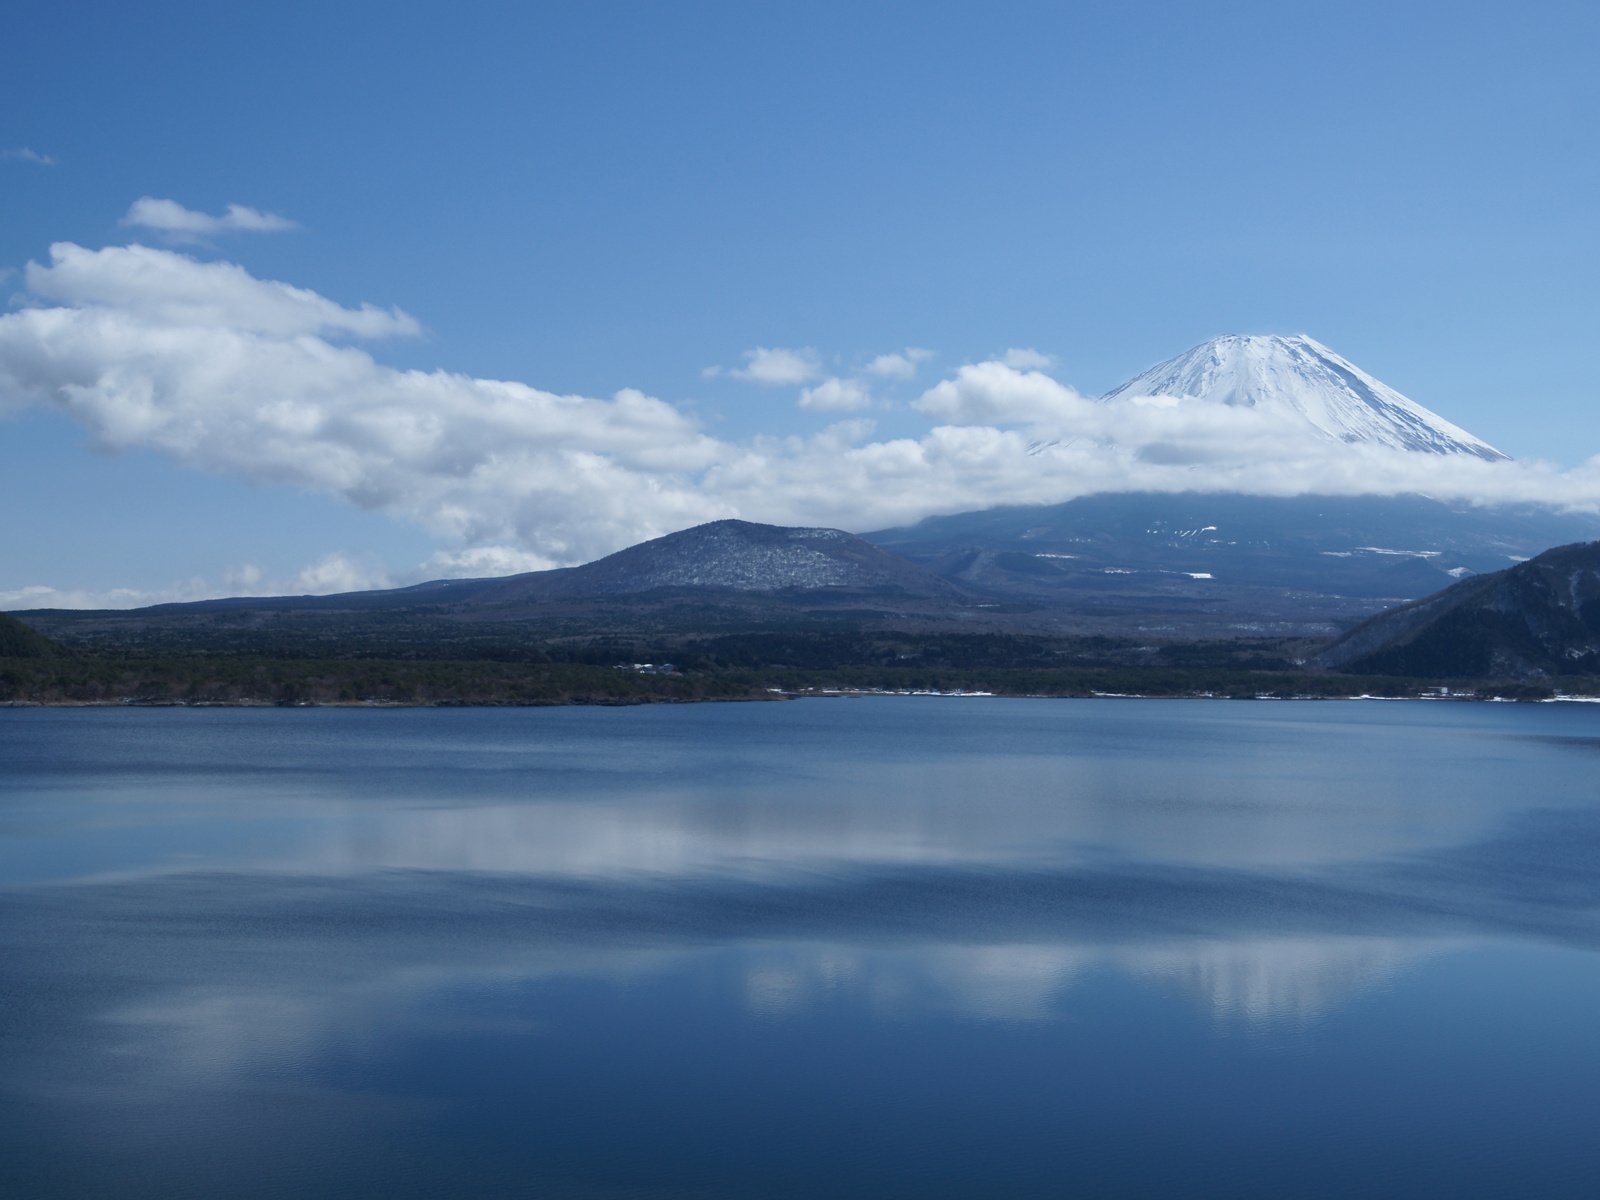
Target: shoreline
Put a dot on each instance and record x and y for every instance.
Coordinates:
(777, 695)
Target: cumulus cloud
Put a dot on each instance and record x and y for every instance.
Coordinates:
(836, 395)
(229, 373)
(163, 289)
(173, 219)
(998, 393)
(1024, 359)
(898, 366)
(232, 374)
(775, 366)
(29, 155)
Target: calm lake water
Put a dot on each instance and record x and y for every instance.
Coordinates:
(846, 948)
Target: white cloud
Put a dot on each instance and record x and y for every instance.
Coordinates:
(166, 290)
(30, 155)
(994, 392)
(848, 433)
(173, 219)
(836, 395)
(228, 373)
(334, 573)
(776, 366)
(483, 562)
(1024, 359)
(898, 366)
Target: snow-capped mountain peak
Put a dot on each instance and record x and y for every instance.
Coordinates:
(1300, 376)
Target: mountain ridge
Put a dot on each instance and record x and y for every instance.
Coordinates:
(1180, 564)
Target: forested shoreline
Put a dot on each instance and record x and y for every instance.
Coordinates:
(244, 680)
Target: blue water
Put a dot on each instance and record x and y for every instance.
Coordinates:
(853, 948)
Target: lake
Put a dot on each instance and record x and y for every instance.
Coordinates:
(910, 947)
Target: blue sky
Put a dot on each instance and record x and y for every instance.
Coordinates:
(593, 199)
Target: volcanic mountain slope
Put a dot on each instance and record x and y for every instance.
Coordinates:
(1533, 620)
(1301, 379)
(1230, 562)
(1236, 563)
(731, 556)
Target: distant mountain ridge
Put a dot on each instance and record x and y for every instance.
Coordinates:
(1302, 379)
(1536, 619)
(728, 556)
(1152, 564)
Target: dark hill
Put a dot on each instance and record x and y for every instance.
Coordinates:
(730, 556)
(1534, 620)
(18, 641)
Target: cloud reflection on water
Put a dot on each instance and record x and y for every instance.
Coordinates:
(238, 931)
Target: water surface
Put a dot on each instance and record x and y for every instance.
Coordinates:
(918, 947)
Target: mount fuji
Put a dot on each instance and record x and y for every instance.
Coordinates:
(1302, 379)
(1235, 562)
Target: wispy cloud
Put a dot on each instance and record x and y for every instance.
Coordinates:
(1027, 359)
(837, 395)
(902, 365)
(175, 221)
(30, 155)
(332, 573)
(774, 366)
(482, 562)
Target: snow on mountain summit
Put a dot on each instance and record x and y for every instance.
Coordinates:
(1300, 376)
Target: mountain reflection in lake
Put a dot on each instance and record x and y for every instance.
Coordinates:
(857, 948)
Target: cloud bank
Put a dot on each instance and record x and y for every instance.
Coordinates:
(226, 372)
